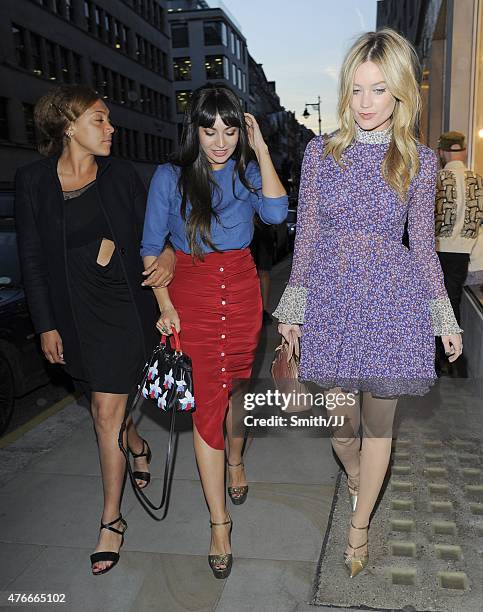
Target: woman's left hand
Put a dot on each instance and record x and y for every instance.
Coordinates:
(169, 318)
(161, 271)
(453, 346)
(255, 138)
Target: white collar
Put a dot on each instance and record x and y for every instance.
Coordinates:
(373, 136)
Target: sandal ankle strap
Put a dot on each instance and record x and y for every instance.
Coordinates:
(228, 522)
(143, 453)
(354, 527)
(361, 546)
(234, 465)
(109, 526)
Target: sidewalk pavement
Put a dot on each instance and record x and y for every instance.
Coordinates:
(50, 507)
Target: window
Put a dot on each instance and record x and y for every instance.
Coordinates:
(215, 33)
(244, 81)
(4, 134)
(182, 68)
(68, 9)
(239, 79)
(51, 67)
(232, 41)
(28, 113)
(97, 14)
(238, 48)
(87, 10)
(64, 64)
(35, 57)
(214, 66)
(124, 37)
(76, 63)
(233, 74)
(182, 98)
(140, 49)
(226, 68)
(19, 43)
(179, 35)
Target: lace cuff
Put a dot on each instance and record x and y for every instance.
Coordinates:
(444, 321)
(291, 308)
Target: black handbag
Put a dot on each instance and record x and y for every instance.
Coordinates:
(166, 380)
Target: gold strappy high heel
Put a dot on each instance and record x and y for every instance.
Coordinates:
(225, 559)
(238, 495)
(354, 564)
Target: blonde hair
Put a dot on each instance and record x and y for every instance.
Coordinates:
(398, 62)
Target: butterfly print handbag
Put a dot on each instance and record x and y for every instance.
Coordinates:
(167, 382)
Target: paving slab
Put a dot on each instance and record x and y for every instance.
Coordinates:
(267, 585)
(278, 521)
(53, 509)
(141, 582)
(299, 459)
(14, 559)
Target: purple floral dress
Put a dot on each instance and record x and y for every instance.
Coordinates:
(370, 307)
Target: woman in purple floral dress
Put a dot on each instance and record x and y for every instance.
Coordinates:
(366, 307)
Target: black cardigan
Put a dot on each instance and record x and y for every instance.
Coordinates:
(39, 212)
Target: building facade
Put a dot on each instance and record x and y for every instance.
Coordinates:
(207, 46)
(120, 48)
(448, 37)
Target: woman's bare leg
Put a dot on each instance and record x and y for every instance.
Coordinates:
(236, 475)
(108, 413)
(211, 465)
(135, 443)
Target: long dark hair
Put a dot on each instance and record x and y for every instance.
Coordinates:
(196, 183)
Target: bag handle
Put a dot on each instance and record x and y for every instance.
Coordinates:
(177, 343)
(147, 504)
(293, 346)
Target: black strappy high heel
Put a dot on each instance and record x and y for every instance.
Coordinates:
(109, 555)
(144, 476)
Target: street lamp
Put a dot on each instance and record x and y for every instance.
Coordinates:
(316, 105)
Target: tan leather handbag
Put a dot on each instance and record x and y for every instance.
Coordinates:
(285, 371)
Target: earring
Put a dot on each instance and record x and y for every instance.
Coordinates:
(69, 134)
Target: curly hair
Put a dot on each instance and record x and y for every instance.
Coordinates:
(56, 110)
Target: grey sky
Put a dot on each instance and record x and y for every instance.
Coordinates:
(301, 45)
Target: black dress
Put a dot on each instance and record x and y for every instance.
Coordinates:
(111, 346)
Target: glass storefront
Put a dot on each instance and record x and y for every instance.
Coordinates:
(478, 117)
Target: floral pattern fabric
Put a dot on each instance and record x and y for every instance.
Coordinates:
(370, 307)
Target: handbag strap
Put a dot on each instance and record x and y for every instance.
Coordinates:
(293, 346)
(143, 498)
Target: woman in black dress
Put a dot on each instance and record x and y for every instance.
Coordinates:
(79, 220)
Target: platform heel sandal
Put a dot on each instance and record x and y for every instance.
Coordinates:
(225, 559)
(109, 555)
(144, 476)
(238, 495)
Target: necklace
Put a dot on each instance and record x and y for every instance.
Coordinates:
(372, 136)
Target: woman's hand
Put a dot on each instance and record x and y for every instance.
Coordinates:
(168, 318)
(160, 273)
(52, 346)
(453, 346)
(255, 138)
(289, 330)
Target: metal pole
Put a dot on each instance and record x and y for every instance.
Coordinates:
(320, 120)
